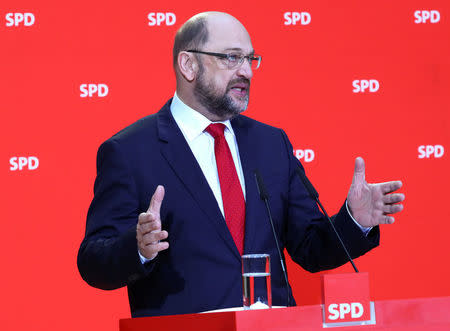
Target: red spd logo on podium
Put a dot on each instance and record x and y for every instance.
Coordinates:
(346, 298)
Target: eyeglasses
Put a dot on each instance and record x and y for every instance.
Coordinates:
(234, 60)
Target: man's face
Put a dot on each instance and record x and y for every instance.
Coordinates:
(224, 92)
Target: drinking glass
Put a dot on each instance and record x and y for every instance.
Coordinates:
(257, 290)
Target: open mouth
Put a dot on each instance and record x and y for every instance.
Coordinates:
(240, 89)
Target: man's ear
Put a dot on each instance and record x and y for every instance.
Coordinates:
(188, 66)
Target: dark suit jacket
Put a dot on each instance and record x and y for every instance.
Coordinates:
(201, 270)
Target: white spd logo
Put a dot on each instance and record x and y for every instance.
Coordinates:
(430, 151)
(23, 162)
(426, 16)
(294, 18)
(365, 85)
(161, 18)
(338, 311)
(91, 90)
(16, 19)
(307, 155)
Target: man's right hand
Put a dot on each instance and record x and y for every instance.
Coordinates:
(148, 229)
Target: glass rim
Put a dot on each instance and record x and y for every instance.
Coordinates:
(254, 256)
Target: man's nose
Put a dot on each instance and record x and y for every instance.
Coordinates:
(245, 70)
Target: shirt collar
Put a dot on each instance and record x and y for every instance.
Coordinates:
(190, 121)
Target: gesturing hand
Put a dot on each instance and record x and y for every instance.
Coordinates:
(148, 229)
(372, 204)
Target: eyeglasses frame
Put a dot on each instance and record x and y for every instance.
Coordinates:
(226, 56)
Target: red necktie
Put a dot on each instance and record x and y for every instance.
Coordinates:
(232, 196)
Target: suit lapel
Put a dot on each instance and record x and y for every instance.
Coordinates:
(246, 153)
(178, 154)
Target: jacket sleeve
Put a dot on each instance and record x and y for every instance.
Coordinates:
(309, 238)
(108, 256)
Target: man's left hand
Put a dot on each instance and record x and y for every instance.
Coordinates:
(373, 204)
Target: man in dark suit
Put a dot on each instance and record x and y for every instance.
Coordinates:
(196, 159)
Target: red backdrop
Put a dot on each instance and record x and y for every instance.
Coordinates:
(349, 78)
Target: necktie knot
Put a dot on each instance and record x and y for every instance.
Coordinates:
(216, 130)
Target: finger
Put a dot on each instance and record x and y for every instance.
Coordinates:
(389, 187)
(359, 175)
(150, 226)
(145, 218)
(154, 237)
(157, 247)
(151, 251)
(156, 201)
(392, 209)
(161, 246)
(393, 198)
(387, 220)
